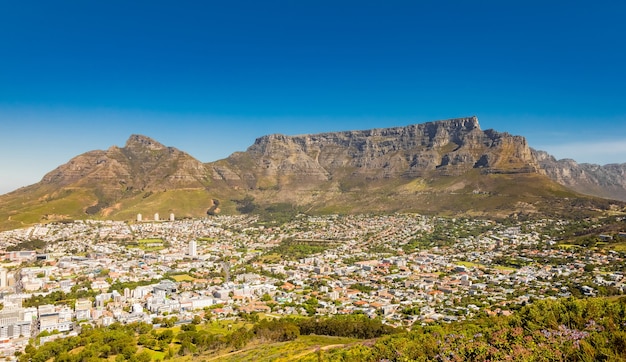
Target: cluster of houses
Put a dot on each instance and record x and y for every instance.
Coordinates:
(384, 266)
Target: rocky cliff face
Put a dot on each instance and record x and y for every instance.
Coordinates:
(327, 160)
(608, 181)
(449, 147)
(142, 165)
(446, 167)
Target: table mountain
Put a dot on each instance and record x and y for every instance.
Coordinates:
(445, 167)
(451, 147)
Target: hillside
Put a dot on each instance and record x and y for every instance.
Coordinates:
(446, 167)
(547, 330)
(608, 181)
(144, 176)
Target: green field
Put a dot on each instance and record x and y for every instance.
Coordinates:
(621, 247)
(283, 351)
(469, 264)
(183, 278)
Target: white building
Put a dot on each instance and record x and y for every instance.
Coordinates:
(139, 217)
(3, 278)
(193, 249)
(82, 309)
(15, 323)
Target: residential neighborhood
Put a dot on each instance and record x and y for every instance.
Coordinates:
(406, 269)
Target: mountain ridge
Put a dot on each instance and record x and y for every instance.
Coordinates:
(442, 167)
(608, 181)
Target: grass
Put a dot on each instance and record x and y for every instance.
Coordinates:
(620, 247)
(255, 351)
(568, 246)
(183, 278)
(504, 268)
(223, 326)
(214, 327)
(147, 244)
(283, 351)
(469, 264)
(155, 355)
(182, 203)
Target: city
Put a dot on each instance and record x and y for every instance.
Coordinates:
(406, 269)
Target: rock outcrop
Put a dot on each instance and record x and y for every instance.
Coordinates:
(608, 181)
(449, 147)
(444, 167)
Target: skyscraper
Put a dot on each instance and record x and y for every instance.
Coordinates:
(193, 246)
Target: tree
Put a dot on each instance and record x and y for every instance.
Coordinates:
(266, 297)
(246, 205)
(167, 336)
(144, 356)
(196, 319)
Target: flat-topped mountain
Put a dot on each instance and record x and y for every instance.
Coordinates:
(444, 167)
(450, 147)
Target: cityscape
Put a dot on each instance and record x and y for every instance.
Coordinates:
(405, 269)
(294, 181)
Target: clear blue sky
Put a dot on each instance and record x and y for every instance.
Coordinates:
(208, 77)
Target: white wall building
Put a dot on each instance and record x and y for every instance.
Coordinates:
(193, 248)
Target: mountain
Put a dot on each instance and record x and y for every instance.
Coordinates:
(608, 181)
(445, 167)
(450, 147)
(143, 176)
(142, 164)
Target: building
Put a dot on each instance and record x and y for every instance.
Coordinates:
(193, 249)
(166, 286)
(83, 309)
(156, 216)
(139, 217)
(172, 218)
(15, 323)
(3, 278)
(51, 318)
(22, 255)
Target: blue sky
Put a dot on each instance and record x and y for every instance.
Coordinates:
(209, 77)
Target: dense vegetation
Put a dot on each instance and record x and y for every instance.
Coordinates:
(565, 330)
(140, 342)
(60, 297)
(35, 244)
(547, 330)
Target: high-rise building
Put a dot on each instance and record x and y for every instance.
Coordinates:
(3, 278)
(138, 217)
(156, 216)
(193, 248)
(172, 217)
